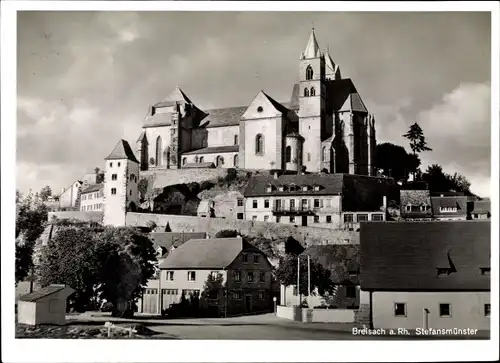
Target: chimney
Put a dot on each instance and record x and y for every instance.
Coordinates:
(384, 202)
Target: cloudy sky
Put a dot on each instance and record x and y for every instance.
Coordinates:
(85, 79)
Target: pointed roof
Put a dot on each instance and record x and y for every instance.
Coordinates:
(177, 96)
(276, 104)
(122, 150)
(312, 47)
(353, 103)
(329, 63)
(142, 136)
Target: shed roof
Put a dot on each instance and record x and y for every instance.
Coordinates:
(405, 256)
(44, 292)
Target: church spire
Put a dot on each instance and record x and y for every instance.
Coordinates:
(312, 47)
(332, 70)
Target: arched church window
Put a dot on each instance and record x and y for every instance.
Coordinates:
(288, 154)
(306, 92)
(235, 163)
(201, 159)
(259, 144)
(184, 161)
(309, 73)
(236, 139)
(313, 92)
(158, 150)
(323, 154)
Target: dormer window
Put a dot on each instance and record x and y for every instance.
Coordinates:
(443, 271)
(316, 188)
(269, 188)
(281, 188)
(423, 207)
(408, 207)
(305, 188)
(485, 270)
(448, 209)
(292, 187)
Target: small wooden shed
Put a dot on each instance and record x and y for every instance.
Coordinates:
(44, 306)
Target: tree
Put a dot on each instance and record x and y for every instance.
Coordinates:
(226, 233)
(417, 139)
(213, 289)
(395, 162)
(114, 262)
(45, 193)
(286, 274)
(31, 215)
(459, 182)
(439, 181)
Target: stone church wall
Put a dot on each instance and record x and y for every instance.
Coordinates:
(164, 178)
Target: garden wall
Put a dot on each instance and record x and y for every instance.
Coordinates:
(305, 235)
(316, 315)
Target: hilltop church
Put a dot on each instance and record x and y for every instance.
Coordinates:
(324, 128)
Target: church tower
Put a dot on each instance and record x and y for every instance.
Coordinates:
(121, 177)
(311, 103)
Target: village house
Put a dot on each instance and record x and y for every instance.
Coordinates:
(416, 204)
(69, 198)
(449, 208)
(426, 274)
(245, 271)
(337, 201)
(324, 127)
(481, 209)
(91, 198)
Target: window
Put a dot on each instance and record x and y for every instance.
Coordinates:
(278, 219)
(278, 204)
(316, 188)
(130, 192)
(348, 218)
(423, 207)
(485, 270)
(328, 219)
(313, 92)
(240, 202)
(254, 218)
(362, 217)
(237, 276)
(309, 73)
(201, 159)
(261, 295)
(256, 258)
(350, 291)
(444, 310)
(170, 275)
(191, 275)
(269, 188)
(239, 216)
(237, 295)
(114, 176)
(316, 203)
(113, 191)
(316, 219)
(408, 207)
(214, 275)
(254, 203)
(245, 258)
(400, 309)
(110, 165)
(288, 154)
(266, 203)
(259, 144)
(281, 188)
(292, 219)
(306, 92)
(266, 218)
(487, 309)
(236, 139)
(262, 277)
(184, 161)
(323, 154)
(250, 277)
(119, 164)
(235, 161)
(292, 204)
(377, 217)
(305, 188)
(260, 109)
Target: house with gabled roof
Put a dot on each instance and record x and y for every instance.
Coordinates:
(430, 275)
(481, 209)
(245, 270)
(449, 207)
(325, 126)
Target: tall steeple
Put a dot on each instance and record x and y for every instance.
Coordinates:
(312, 47)
(332, 70)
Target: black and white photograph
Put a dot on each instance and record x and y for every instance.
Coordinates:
(217, 177)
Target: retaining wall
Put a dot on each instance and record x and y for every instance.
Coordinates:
(79, 215)
(305, 235)
(163, 178)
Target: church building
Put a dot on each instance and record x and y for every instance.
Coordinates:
(325, 127)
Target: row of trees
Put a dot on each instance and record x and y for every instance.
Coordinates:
(394, 161)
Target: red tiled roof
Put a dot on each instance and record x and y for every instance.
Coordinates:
(405, 256)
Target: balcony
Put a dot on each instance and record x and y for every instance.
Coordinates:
(300, 210)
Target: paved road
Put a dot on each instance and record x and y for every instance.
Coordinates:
(256, 327)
